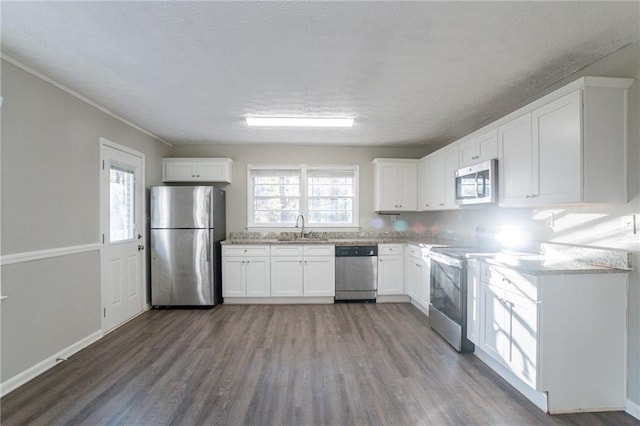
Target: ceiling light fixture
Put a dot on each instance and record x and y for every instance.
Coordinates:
(299, 122)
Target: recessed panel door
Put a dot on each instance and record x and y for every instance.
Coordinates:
(122, 224)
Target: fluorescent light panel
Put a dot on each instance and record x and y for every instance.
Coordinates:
(299, 122)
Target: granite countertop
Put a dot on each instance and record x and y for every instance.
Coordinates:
(557, 258)
(335, 241)
(538, 264)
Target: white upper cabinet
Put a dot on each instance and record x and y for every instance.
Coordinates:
(196, 170)
(480, 148)
(424, 185)
(395, 185)
(568, 147)
(516, 161)
(442, 165)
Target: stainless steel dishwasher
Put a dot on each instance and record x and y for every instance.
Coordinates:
(356, 272)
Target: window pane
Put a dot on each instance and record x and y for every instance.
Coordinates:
(325, 217)
(277, 204)
(275, 217)
(277, 190)
(336, 190)
(330, 204)
(122, 224)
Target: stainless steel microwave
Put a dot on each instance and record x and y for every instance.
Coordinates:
(477, 184)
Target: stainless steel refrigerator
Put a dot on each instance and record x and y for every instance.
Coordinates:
(187, 226)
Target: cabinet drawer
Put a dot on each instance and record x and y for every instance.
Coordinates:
(322, 250)
(510, 280)
(390, 249)
(286, 250)
(414, 251)
(237, 250)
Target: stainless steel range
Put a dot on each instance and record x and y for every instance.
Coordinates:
(448, 307)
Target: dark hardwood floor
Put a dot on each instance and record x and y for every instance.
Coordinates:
(288, 365)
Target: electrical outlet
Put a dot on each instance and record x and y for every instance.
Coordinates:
(629, 223)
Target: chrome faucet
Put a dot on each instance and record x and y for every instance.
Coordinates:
(302, 230)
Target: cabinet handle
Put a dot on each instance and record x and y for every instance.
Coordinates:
(193, 175)
(527, 196)
(248, 261)
(197, 175)
(305, 262)
(426, 205)
(441, 204)
(400, 205)
(243, 261)
(379, 260)
(245, 250)
(301, 262)
(418, 265)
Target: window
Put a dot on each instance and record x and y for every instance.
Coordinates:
(325, 195)
(122, 204)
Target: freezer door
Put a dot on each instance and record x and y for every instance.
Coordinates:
(181, 267)
(182, 207)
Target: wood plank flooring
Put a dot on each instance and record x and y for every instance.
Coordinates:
(355, 364)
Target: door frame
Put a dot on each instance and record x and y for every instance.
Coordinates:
(104, 143)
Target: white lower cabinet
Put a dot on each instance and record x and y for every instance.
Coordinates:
(418, 275)
(307, 271)
(286, 276)
(245, 271)
(390, 269)
(319, 276)
(558, 339)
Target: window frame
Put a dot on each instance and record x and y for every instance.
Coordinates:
(304, 199)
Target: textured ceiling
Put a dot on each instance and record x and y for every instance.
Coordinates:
(411, 73)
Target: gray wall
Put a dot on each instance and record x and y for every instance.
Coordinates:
(50, 199)
(286, 154)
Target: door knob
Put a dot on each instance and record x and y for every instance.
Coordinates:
(140, 247)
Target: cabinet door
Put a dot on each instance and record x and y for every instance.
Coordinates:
(469, 152)
(557, 135)
(423, 184)
(413, 278)
(319, 276)
(390, 275)
(436, 181)
(386, 187)
(178, 171)
(407, 187)
(257, 277)
(473, 289)
(494, 327)
(233, 277)
(286, 276)
(487, 146)
(450, 167)
(425, 281)
(517, 162)
(212, 171)
(522, 352)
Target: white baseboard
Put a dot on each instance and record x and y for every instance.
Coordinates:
(401, 298)
(278, 300)
(633, 409)
(20, 379)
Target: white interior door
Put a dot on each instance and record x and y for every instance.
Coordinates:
(122, 261)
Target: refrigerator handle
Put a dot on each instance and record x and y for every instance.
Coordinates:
(209, 246)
